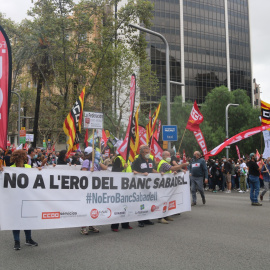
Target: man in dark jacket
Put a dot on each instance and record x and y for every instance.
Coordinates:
(198, 172)
(144, 165)
(254, 181)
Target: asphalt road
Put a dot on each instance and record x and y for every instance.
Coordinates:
(226, 233)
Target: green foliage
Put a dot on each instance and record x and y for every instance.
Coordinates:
(213, 128)
(67, 45)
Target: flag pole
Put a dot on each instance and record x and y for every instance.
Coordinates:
(182, 140)
(261, 141)
(93, 147)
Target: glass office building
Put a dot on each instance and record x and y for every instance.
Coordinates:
(216, 46)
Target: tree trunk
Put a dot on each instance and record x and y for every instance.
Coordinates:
(35, 129)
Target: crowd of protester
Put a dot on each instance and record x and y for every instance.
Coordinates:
(215, 175)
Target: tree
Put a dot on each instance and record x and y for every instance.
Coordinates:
(241, 118)
(120, 52)
(68, 45)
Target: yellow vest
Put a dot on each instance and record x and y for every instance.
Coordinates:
(160, 163)
(128, 169)
(25, 166)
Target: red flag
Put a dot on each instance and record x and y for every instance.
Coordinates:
(53, 147)
(26, 147)
(184, 156)
(13, 147)
(195, 118)
(257, 155)
(238, 152)
(104, 138)
(5, 85)
(86, 138)
(201, 141)
(236, 138)
(193, 124)
(156, 150)
(124, 148)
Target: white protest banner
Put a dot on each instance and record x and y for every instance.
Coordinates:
(47, 199)
(99, 133)
(93, 120)
(63, 167)
(29, 137)
(266, 135)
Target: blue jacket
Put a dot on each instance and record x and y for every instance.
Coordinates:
(266, 176)
(198, 168)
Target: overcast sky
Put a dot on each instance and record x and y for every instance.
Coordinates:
(260, 37)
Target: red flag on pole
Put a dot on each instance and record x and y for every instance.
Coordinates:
(184, 156)
(193, 124)
(238, 152)
(257, 154)
(13, 147)
(104, 138)
(237, 138)
(5, 85)
(26, 147)
(195, 118)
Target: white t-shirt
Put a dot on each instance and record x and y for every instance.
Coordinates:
(243, 167)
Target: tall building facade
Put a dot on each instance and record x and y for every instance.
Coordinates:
(215, 46)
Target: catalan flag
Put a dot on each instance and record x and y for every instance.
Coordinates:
(73, 123)
(151, 124)
(265, 113)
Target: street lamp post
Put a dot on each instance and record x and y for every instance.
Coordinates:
(227, 125)
(19, 114)
(168, 90)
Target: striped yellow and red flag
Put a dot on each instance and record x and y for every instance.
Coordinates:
(73, 124)
(265, 113)
(151, 124)
(148, 128)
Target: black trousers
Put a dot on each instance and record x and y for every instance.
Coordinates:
(116, 225)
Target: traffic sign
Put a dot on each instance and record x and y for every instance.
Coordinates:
(169, 133)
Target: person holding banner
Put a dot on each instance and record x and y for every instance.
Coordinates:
(266, 177)
(144, 165)
(198, 172)
(89, 165)
(120, 165)
(20, 159)
(165, 167)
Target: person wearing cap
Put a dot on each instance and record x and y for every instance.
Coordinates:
(144, 165)
(254, 181)
(87, 166)
(120, 165)
(164, 167)
(198, 172)
(266, 177)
